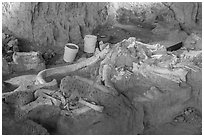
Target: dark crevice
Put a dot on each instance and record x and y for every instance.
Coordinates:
(197, 13)
(81, 31)
(96, 123)
(128, 101)
(33, 21)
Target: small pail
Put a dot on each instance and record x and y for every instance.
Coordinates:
(90, 43)
(70, 51)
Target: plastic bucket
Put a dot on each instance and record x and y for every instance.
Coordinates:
(90, 43)
(70, 51)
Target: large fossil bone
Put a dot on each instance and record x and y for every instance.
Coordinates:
(70, 68)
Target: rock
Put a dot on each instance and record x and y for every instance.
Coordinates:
(10, 45)
(24, 61)
(13, 43)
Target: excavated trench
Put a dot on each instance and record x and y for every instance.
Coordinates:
(144, 78)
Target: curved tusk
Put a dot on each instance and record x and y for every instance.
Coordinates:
(40, 78)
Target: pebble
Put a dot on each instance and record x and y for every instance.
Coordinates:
(186, 112)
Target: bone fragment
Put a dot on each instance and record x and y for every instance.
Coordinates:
(77, 111)
(96, 85)
(95, 107)
(106, 77)
(59, 95)
(81, 110)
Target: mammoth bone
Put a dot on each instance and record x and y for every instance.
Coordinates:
(40, 79)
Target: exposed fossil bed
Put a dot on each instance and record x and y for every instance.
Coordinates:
(141, 102)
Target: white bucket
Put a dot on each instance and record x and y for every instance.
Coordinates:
(70, 51)
(90, 43)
